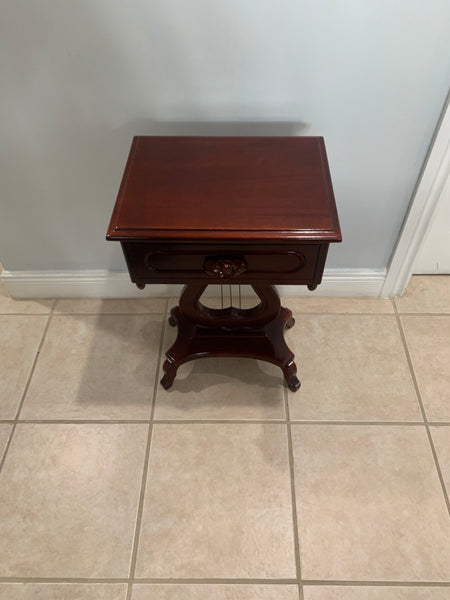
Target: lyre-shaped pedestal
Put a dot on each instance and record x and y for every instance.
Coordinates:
(252, 333)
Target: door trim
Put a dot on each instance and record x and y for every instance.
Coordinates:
(425, 200)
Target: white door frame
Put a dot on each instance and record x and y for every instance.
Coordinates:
(425, 200)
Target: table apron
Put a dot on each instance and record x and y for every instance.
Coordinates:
(287, 263)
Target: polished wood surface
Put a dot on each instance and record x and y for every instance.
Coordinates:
(227, 188)
(200, 211)
(173, 262)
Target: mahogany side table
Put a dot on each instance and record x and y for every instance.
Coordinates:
(243, 210)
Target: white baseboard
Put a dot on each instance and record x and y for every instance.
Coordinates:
(106, 284)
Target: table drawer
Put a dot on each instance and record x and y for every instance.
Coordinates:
(150, 262)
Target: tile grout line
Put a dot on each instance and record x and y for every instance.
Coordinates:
(415, 312)
(70, 580)
(30, 314)
(394, 303)
(19, 410)
(161, 312)
(411, 368)
(140, 511)
(221, 422)
(81, 421)
(15, 421)
(150, 580)
(424, 414)
(109, 314)
(218, 581)
(376, 583)
(424, 314)
(360, 423)
(293, 494)
(344, 314)
(366, 313)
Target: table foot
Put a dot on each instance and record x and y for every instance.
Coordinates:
(172, 317)
(170, 370)
(290, 376)
(290, 322)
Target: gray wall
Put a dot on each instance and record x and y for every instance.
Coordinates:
(79, 78)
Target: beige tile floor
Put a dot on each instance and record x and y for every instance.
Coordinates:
(227, 486)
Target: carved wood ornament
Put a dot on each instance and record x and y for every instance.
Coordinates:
(224, 268)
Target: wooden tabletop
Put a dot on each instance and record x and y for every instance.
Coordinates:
(226, 188)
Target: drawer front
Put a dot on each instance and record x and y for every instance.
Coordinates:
(231, 263)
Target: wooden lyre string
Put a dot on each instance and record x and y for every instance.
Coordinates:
(230, 293)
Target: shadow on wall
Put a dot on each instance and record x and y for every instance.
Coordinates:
(93, 79)
(213, 128)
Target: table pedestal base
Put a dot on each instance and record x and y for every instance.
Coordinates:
(252, 333)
